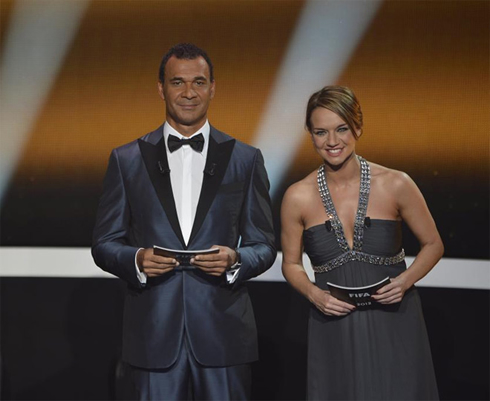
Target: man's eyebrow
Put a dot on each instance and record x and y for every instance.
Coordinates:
(197, 78)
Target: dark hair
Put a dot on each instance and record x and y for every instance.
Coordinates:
(185, 51)
(340, 100)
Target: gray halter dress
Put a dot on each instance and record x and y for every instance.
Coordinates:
(381, 353)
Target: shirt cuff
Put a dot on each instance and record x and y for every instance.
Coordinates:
(232, 275)
(141, 275)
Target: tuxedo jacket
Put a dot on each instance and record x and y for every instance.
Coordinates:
(137, 210)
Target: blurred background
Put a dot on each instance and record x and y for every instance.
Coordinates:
(419, 68)
(79, 77)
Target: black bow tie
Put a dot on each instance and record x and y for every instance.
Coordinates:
(196, 142)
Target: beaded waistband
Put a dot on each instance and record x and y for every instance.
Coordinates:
(360, 257)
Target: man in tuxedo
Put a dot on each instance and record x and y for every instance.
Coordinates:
(188, 330)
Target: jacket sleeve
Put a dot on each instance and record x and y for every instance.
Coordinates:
(111, 247)
(257, 247)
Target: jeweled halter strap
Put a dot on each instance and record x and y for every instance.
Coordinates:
(354, 253)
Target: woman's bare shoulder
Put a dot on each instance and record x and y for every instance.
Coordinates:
(302, 189)
(389, 177)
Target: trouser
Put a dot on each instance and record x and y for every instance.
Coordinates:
(186, 379)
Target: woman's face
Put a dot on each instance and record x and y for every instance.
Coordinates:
(332, 137)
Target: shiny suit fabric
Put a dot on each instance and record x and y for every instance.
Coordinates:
(137, 210)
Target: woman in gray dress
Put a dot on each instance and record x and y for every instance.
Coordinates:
(346, 216)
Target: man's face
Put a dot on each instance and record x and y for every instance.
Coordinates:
(187, 91)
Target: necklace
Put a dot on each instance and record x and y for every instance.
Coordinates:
(364, 190)
(356, 252)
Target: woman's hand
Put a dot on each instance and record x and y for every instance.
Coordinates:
(329, 305)
(391, 293)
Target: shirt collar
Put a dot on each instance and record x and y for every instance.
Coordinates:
(204, 130)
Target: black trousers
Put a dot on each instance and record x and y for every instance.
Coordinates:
(186, 379)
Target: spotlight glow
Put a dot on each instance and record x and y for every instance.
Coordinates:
(326, 35)
(38, 37)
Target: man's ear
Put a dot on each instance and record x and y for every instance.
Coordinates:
(160, 90)
(213, 89)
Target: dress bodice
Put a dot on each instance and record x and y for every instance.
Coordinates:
(381, 238)
(334, 225)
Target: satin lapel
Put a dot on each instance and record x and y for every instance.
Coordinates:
(155, 158)
(218, 157)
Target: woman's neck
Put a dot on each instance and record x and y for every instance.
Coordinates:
(345, 173)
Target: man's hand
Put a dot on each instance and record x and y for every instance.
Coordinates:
(154, 265)
(215, 264)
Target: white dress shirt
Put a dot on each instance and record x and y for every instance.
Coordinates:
(186, 176)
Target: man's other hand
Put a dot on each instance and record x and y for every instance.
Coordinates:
(154, 265)
(215, 264)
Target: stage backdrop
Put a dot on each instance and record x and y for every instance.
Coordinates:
(79, 77)
(419, 68)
